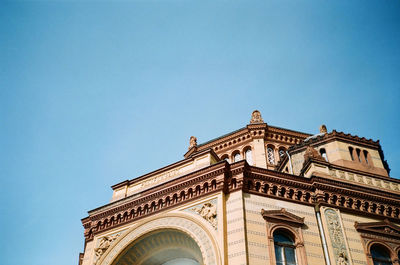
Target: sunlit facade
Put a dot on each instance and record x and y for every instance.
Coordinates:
(258, 195)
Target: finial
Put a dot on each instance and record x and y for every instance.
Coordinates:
(322, 129)
(192, 142)
(256, 117)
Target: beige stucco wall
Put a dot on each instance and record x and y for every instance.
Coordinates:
(257, 241)
(235, 229)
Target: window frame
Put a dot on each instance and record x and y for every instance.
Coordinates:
(383, 233)
(288, 223)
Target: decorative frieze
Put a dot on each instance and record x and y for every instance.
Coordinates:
(222, 177)
(337, 237)
(207, 210)
(365, 180)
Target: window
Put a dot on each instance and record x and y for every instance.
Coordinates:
(384, 246)
(226, 158)
(322, 151)
(284, 248)
(237, 157)
(249, 157)
(351, 149)
(281, 153)
(358, 151)
(366, 156)
(380, 255)
(270, 155)
(284, 232)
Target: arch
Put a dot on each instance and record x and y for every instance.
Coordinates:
(213, 184)
(233, 183)
(351, 152)
(190, 192)
(225, 157)
(282, 152)
(236, 156)
(284, 245)
(160, 204)
(322, 151)
(266, 188)
(248, 155)
(258, 186)
(380, 253)
(271, 154)
(358, 152)
(181, 222)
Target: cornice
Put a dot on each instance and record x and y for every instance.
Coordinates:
(155, 191)
(246, 131)
(332, 136)
(166, 168)
(225, 177)
(288, 132)
(229, 136)
(383, 228)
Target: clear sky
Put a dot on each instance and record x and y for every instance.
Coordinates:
(93, 93)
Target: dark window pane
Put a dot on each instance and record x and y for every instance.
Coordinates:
(283, 239)
(279, 254)
(377, 262)
(290, 256)
(380, 253)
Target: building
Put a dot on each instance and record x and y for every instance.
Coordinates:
(258, 195)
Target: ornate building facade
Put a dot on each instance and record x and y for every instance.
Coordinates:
(258, 195)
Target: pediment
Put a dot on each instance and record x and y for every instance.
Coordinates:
(282, 215)
(383, 228)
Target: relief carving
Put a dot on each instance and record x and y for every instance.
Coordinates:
(337, 237)
(208, 211)
(342, 260)
(104, 244)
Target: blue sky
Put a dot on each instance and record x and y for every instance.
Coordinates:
(93, 93)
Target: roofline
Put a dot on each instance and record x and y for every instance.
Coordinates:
(243, 128)
(170, 166)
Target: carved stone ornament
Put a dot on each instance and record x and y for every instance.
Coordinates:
(256, 117)
(322, 129)
(192, 142)
(337, 237)
(104, 244)
(208, 211)
(311, 153)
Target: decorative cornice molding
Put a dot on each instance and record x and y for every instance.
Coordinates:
(225, 177)
(384, 228)
(282, 215)
(332, 136)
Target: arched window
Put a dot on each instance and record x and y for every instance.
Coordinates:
(322, 151)
(249, 156)
(285, 253)
(226, 158)
(358, 151)
(270, 155)
(351, 152)
(380, 255)
(237, 157)
(365, 156)
(281, 153)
